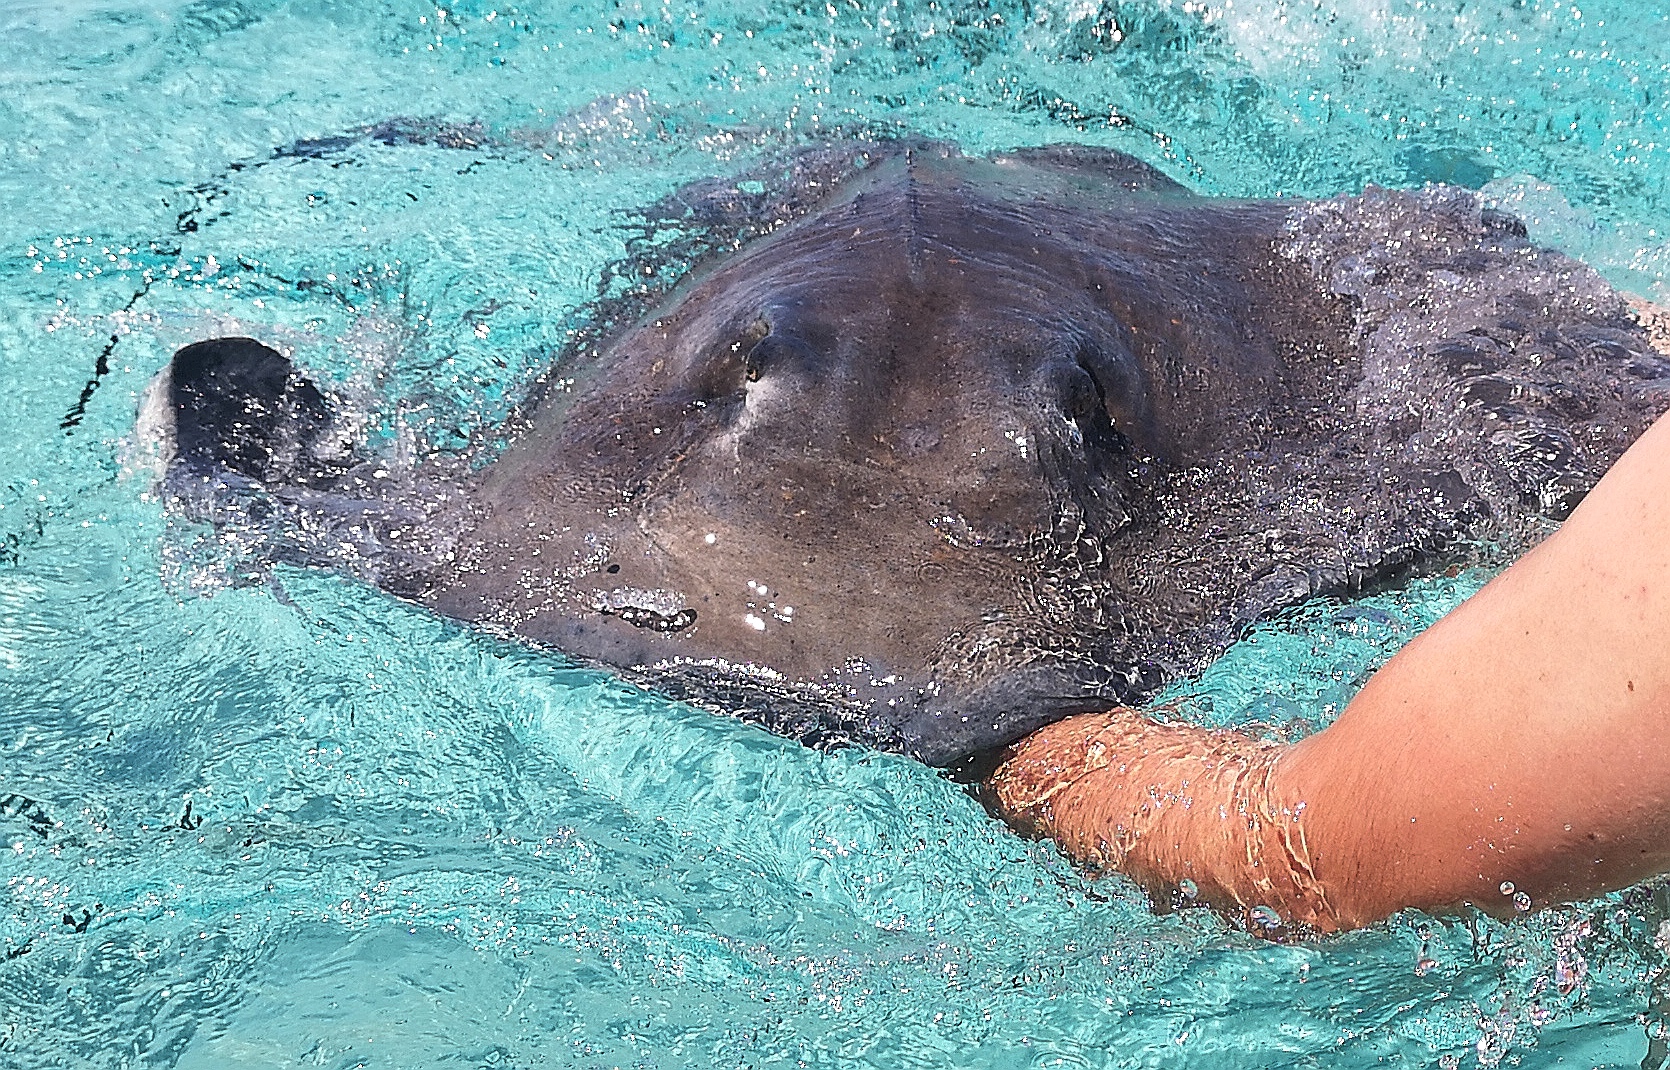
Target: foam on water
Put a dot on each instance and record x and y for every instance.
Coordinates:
(301, 824)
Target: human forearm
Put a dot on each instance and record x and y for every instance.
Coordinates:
(1523, 740)
(1186, 812)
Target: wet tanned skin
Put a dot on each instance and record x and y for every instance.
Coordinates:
(1523, 740)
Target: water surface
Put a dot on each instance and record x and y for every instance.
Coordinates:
(297, 823)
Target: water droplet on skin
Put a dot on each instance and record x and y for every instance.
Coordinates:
(1507, 887)
(1188, 888)
(1265, 917)
(1521, 902)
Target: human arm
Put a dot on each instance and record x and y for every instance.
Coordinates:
(1521, 739)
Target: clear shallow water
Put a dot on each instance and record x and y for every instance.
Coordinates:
(313, 827)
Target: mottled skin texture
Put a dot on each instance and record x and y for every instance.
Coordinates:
(1026, 436)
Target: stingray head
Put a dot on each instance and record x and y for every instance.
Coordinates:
(886, 474)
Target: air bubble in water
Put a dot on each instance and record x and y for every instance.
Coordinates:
(1569, 970)
(1521, 902)
(1188, 888)
(1265, 917)
(1507, 887)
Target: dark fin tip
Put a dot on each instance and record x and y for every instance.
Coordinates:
(239, 407)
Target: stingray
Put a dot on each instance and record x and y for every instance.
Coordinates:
(928, 450)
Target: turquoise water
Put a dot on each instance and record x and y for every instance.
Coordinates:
(301, 824)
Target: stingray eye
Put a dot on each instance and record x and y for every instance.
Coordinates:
(752, 336)
(774, 353)
(1073, 389)
(1080, 394)
(746, 340)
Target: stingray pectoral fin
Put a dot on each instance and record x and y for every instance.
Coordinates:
(1107, 165)
(237, 407)
(960, 729)
(264, 455)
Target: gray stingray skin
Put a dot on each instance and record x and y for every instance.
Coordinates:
(977, 443)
